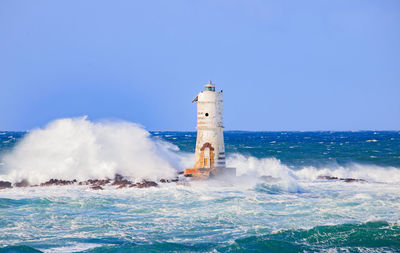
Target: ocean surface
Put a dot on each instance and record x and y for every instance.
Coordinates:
(294, 212)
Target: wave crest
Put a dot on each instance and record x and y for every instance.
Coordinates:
(258, 167)
(368, 172)
(75, 148)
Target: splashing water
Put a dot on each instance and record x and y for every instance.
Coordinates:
(292, 211)
(79, 149)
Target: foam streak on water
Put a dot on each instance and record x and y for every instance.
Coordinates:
(51, 217)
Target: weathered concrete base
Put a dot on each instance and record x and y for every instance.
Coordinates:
(204, 173)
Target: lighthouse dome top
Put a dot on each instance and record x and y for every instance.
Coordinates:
(210, 86)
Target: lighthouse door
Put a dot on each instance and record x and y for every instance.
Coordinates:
(206, 162)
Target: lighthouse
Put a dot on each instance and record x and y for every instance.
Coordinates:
(210, 148)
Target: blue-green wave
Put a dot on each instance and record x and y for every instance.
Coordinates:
(375, 236)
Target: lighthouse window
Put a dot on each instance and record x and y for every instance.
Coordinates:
(206, 114)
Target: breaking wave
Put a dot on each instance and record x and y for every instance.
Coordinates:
(368, 172)
(290, 177)
(377, 236)
(252, 167)
(75, 148)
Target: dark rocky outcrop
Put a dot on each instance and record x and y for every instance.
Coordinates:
(5, 184)
(146, 184)
(162, 180)
(99, 182)
(327, 178)
(95, 184)
(118, 177)
(347, 180)
(23, 183)
(351, 180)
(122, 183)
(58, 182)
(96, 187)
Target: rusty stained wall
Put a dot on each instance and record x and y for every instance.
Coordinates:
(204, 162)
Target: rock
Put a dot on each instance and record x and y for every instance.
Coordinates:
(146, 184)
(96, 187)
(103, 182)
(118, 177)
(95, 182)
(351, 180)
(122, 183)
(169, 180)
(58, 182)
(5, 184)
(327, 178)
(347, 180)
(98, 181)
(123, 186)
(23, 183)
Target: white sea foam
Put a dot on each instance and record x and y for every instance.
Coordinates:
(77, 247)
(254, 167)
(371, 173)
(75, 148)
(257, 167)
(207, 212)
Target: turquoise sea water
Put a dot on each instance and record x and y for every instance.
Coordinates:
(297, 212)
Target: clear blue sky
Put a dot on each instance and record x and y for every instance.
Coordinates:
(283, 65)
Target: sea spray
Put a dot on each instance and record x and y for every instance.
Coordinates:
(290, 176)
(76, 148)
(249, 166)
(367, 172)
(249, 214)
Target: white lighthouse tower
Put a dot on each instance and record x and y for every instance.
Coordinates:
(210, 148)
